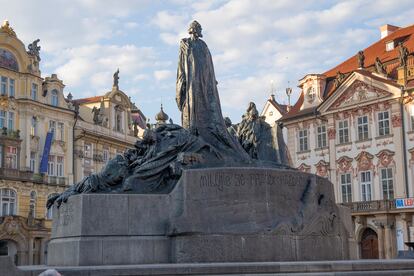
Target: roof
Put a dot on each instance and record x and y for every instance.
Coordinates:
(282, 108)
(88, 100)
(378, 49)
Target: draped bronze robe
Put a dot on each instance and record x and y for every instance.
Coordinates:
(198, 99)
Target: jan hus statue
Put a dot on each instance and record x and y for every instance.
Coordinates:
(197, 96)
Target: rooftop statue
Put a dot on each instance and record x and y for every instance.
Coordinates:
(403, 51)
(156, 162)
(116, 80)
(361, 59)
(380, 67)
(34, 49)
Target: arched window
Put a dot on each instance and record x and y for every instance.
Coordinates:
(8, 60)
(55, 97)
(49, 213)
(8, 202)
(32, 205)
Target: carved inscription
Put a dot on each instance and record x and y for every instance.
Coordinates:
(221, 181)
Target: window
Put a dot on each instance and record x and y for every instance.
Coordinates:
(383, 123)
(8, 202)
(363, 128)
(55, 97)
(311, 94)
(3, 86)
(11, 121)
(2, 119)
(343, 132)
(51, 165)
(1, 156)
(11, 87)
(52, 128)
(389, 46)
(11, 157)
(321, 136)
(88, 150)
(105, 154)
(118, 121)
(346, 187)
(387, 182)
(33, 92)
(49, 213)
(32, 161)
(33, 127)
(61, 132)
(32, 206)
(59, 166)
(366, 186)
(303, 140)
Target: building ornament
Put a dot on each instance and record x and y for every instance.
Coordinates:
(340, 77)
(357, 92)
(396, 120)
(34, 49)
(331, 133)
(385, 157)
(322, 168)
(380, 67)
(304, 168)
(361, 59)
(364, 161)
(5, 28)
(344, 164)
(403, 54)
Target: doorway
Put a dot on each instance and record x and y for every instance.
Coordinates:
(369, 244)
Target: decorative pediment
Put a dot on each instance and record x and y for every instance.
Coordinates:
(304, 168)
(385, 157)
(359, 92)
(364, 160)
(344, 163)
(322, 168)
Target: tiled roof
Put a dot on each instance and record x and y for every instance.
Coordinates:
(88, 100)
(282, 108)
(388, 58)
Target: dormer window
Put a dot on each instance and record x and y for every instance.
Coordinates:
(55, 97)
(389, 46)
(311, 94)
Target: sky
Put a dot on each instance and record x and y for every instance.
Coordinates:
(258, 47)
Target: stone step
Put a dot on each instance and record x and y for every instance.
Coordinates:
(348, 268)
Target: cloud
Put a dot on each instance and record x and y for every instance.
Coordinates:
(162, 74)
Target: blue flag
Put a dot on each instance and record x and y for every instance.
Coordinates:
(46, 150)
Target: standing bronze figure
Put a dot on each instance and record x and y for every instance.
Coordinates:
(197, 96)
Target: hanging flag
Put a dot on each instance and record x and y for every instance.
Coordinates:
(46, 150)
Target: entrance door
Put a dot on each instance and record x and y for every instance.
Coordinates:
(369, 244)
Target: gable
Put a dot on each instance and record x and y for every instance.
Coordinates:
(358, 90)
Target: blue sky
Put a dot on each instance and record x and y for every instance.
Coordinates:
(252, 43)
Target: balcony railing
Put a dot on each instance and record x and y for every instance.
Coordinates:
(56, 180)
(16, 174)
(371, 206)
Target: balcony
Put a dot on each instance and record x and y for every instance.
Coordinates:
(15, 174)
(13, 134)
(57, 180)
(374, 206)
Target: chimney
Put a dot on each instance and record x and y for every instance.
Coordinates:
(387, 29)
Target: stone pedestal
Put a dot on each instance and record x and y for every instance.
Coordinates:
(212, 215)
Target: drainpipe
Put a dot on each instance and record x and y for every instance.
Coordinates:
(404, 142)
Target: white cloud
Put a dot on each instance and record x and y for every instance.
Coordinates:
(161, 75)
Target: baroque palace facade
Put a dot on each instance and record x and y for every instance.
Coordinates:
(48, 142)
(354, 124)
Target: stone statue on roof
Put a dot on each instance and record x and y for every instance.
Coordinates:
(34, 49)
(403, 54)
(361, 59)
(116, 80)
(339, 79)
(380, 67)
